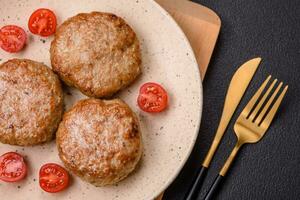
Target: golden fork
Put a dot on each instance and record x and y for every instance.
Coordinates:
(252, 124)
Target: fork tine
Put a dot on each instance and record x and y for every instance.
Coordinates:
(261, 102)
(266, 107)
(267, 121)
(254, 99)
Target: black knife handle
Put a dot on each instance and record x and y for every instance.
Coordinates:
(213, 190)
(194, 190)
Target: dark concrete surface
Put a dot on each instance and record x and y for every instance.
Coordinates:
(269, 169)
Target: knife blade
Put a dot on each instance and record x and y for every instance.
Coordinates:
(237, 87)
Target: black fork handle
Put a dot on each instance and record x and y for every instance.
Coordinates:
(214, 188)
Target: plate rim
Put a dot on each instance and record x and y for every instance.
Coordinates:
(191, 55)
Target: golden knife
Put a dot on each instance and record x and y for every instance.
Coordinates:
(236, 90)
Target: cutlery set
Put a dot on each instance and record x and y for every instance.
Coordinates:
(250, 127)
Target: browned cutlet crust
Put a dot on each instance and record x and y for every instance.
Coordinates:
(31, 102)
(100, 141)
(98, 53)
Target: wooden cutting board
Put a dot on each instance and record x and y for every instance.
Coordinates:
(201, 26)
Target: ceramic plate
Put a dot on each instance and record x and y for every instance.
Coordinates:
(168, 137)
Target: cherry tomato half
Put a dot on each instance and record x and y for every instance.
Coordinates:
(12, 167)
(12, 38)
(42, 22)
(53, 178)
(152, 98)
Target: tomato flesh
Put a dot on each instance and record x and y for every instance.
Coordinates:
(12, 38)
(12, 167)
(42, 22)
(152, 98)
(53, 178)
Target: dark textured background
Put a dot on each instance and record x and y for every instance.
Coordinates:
(269, 169)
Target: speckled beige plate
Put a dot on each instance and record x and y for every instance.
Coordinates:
(168, 137)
